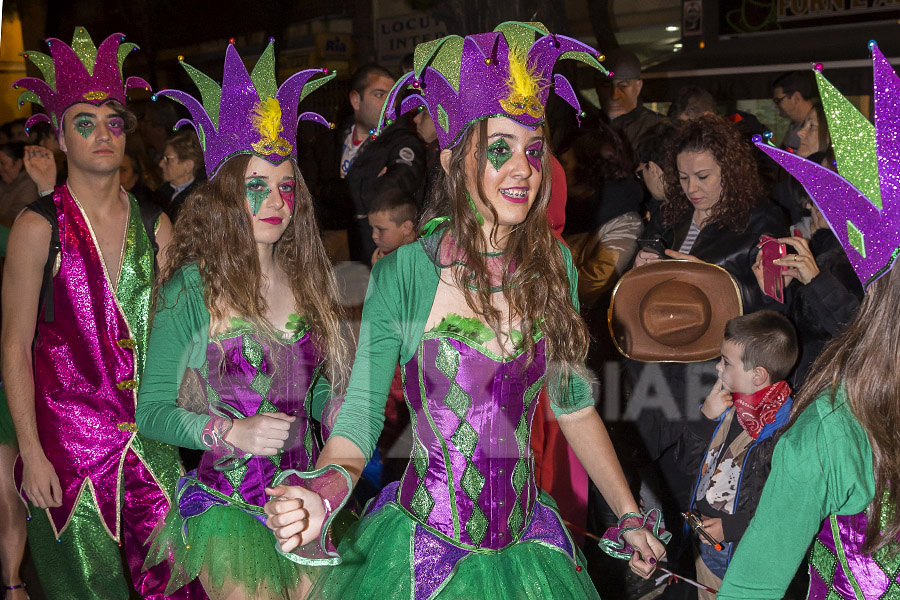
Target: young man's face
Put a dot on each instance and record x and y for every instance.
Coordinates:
(93, 138)
(731, 370)
(367, 106)
(386, 234)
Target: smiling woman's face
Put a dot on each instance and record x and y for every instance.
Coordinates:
(512, 178)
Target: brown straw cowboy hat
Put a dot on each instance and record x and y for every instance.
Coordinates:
(673, 311)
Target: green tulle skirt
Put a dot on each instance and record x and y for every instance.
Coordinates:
(230, 547)
(377, 564)
(7, 431)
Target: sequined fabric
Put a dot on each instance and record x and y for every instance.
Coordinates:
(87, 365)
(839, 569)
(245, 377)
(80, 73)
(463, 80)
(471, 477)
(84, 391)
(223, 120)
(862, 202)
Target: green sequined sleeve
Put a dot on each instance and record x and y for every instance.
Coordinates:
(178, 340)
(822, 465)
(578, 391)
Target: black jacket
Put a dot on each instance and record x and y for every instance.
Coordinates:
(344, 203)
(734, 252)
(822, 308)
(172, 205)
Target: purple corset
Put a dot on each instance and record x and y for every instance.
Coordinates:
(244, 377)
(839, 569)
(471, 477)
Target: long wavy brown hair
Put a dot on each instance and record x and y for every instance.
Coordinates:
(863, 361)
(537, 290)
(742, 187)
(214, 231)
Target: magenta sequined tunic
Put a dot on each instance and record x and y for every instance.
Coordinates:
(838, 569)
(87, 364)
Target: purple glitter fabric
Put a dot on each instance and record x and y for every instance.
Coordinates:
(546, 526)
(867, 577)
(434, 560)
(71, 82)
(869, 235)
(84, 394)
(224, 120)
(481, 74)
(497, 391)
(247, 382)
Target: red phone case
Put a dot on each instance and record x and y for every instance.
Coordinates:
(773, 284)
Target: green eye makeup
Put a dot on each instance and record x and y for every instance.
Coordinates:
(498, 153)
(85, 126)
(257, 192)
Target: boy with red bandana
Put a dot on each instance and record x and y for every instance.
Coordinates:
(742, 415)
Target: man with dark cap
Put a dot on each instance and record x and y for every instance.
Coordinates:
(619, 95)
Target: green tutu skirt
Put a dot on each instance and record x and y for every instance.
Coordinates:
(230, 547)
(378, 564)
(7, 431)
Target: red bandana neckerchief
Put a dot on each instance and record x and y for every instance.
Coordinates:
(755, 411)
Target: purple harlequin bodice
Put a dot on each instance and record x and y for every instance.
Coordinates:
(245, 376)
(471, 477)
(839, 569)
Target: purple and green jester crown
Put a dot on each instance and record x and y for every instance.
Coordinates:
(504, 73)
(248, 113)
(76, 74)
(861, 202)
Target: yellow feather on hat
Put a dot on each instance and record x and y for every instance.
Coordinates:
(266, 118)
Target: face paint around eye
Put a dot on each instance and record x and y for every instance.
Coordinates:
(498, 153)
(257, 192)
(116, 126)
(84, 126)
(534, 153)
(286, 189)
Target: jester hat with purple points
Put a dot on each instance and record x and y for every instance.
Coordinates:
(248, 113)
(861, 202)
(505, 73)
(76, 74)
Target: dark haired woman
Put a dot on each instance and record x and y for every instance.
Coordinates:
(247, 334)
(480, 313)
(715, 208)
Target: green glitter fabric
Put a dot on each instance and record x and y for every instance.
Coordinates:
(229, 545)
(98, 576)
(853, 137)
(378, 563)
(7, 431)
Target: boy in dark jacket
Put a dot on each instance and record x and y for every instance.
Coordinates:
(748, 405)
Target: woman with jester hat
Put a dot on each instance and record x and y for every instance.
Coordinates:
(246, 346)
(479, 313)
(835, 470)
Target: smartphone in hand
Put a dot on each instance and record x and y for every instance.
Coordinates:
(771, 250)
(655, 245)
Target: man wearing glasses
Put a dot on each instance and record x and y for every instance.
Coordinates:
(794, 94)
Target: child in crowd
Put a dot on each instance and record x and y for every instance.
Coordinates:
(392, 217)
(749, 403)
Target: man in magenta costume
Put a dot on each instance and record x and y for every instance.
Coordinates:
(96, 487)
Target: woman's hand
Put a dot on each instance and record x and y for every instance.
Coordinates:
(263, 434)
(646, 257)
(801, 266)
(295, 515)
(41, 167)
(648, 551)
